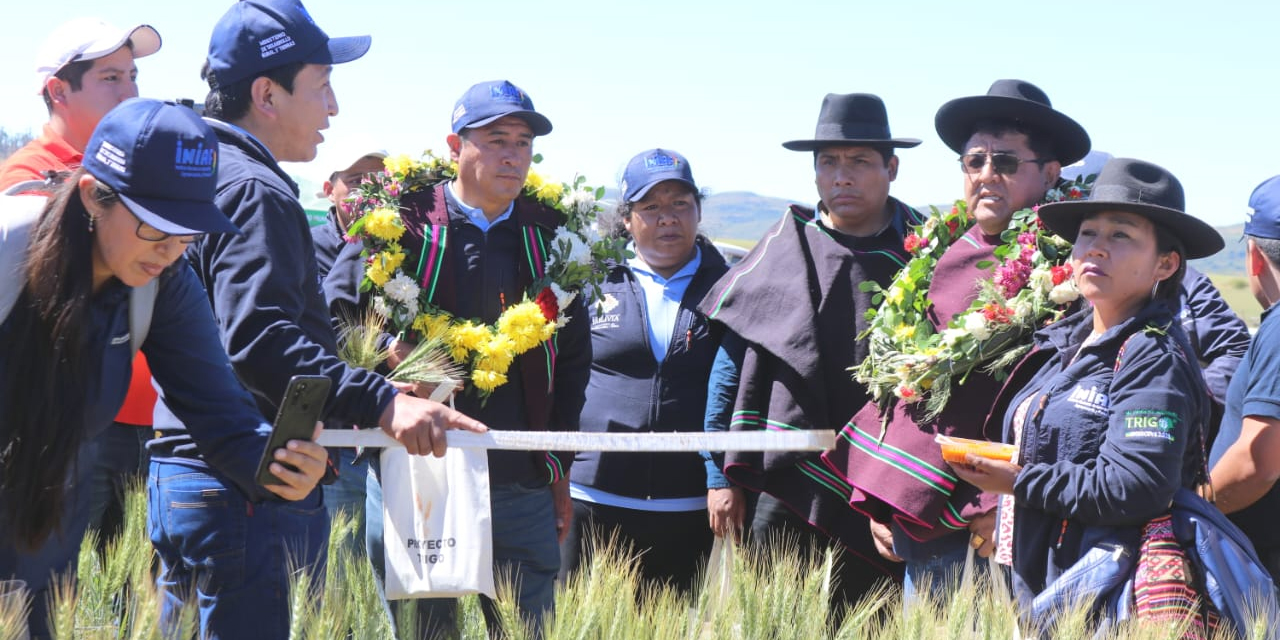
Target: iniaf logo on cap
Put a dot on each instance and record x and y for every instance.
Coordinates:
(660, 162)
(111, 155)
(195, 162)
(459, 112)
(506, 92)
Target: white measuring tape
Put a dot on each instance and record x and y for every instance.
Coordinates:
(591, 441)
(588, 441)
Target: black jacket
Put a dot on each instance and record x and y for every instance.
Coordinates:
(264, 288)
(631, 392)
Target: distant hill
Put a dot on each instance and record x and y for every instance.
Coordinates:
(1231, 259)
(740, 215)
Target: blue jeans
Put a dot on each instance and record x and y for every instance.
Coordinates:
(525, 549)
(121, 456)
(235, 558)
(348, 492)
(933, 566)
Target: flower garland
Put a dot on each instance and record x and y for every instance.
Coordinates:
(576, 261)
(1030, 285)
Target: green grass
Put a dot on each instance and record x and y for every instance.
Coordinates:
(1235, 290)
(769, 593)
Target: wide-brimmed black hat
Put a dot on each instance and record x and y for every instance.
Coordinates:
(851, 119)
(1125, 184)
(1019, 101)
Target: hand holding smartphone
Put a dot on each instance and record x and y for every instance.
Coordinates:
(300, 409)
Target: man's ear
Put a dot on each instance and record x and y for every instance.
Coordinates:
(455, 146)
(57, 90)
(262, 95)
(892, 166)
(1052, 171)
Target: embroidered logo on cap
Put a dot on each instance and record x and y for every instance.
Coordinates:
(661, 162)
(459, 112)
(506, 92)
(111, 156)
(271, 45)
(194, 162)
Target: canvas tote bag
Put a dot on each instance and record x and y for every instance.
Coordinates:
(437, 528)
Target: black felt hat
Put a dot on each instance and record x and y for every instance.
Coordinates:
(851, 119)
(1016, 100)
(1125, 184)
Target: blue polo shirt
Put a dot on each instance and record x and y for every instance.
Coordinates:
(476, 216)
(1255, 391)
(662, 298)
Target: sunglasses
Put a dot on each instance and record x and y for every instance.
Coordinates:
(1005, 164)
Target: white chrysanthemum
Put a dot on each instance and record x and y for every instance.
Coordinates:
(563, 298)
(1023, 309)
(402, 289)
(976, 325)
(1064, 293)
(578, 252)
(1041, 281)
(381, 307)
(950, 337)
(579, 202)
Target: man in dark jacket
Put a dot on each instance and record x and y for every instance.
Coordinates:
(793, 309)
(268, 72)
(482, 267)
(1245, 460)
(346, 493)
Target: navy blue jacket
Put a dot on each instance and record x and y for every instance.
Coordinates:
(1102, 443)
(631, 392)
(1218, 336)
(265, 292)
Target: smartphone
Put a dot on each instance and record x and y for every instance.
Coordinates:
(300, 409)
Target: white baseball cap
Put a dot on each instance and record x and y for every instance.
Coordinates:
(90, 39)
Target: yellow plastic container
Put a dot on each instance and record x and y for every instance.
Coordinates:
(954, 449)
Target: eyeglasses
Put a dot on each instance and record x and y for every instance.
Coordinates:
(1004, 164)
(152, 234)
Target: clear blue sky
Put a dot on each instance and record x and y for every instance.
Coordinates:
(1187, 85)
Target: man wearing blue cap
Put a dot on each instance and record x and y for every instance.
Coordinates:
(483, 266)
(270, 95)
(1245, 459)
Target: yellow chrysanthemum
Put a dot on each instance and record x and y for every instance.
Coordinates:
(465, 338)
(384, 224)
(533, 182)
(497, 353)
(486, 380)
(904, 332)
(389, 260)
(432, 326)
(401, 164)
(550, 192)
(523, 324)
(377, 273)
(548, 330)
(894, 296)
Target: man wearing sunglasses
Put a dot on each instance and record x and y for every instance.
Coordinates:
(1012, 145)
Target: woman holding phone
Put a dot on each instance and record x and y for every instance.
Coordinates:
(120, 222)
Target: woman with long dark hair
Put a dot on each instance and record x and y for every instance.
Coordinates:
(120, 222)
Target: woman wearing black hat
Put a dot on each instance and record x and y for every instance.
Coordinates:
(120, 222)
(1109, 425)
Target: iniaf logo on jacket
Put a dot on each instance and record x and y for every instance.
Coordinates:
(1090, 399)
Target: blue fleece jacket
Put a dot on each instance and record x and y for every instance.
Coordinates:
(1108, 438)
(264, 288)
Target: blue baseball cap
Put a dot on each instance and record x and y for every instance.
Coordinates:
(488, 101)
(254, 36)
(1264, 210)
(651, 167)
(162, 160)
